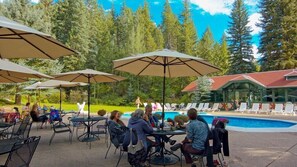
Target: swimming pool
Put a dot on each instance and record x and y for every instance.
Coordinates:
(247, 123)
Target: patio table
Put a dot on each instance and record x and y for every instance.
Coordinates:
(166, 159)
(7, 144)
(88, 122)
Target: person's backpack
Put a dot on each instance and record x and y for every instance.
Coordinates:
(136, 152)
(54, 115)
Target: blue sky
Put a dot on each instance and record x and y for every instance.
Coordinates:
(205, 13)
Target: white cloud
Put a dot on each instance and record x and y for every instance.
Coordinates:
(255, 52)
(219, 6)
(35, 1)
(156, 3)
(253, 20)
(214, 6)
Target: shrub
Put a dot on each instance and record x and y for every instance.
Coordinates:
(181, 119)
(101, 112)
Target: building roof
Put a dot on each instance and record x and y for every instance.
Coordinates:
(268, 79)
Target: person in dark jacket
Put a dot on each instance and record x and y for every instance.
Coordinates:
(117, 128)
(35, 115)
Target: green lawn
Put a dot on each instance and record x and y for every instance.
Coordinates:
(94, 108)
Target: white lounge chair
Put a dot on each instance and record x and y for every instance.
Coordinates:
(188, 106)
(255, 108)
(154, 106)
(81, 110)
(168, 107)
(200, 106)
(159, 107)
(193, 105)
(215, 107)
(173, 106)
(144, 104)
(289, 109)
(242, 108)
(265, 108)
(278, 109)
(205, 107)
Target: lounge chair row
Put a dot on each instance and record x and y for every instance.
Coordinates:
(279, 108)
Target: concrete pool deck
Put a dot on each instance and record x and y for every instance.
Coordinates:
(247, 149)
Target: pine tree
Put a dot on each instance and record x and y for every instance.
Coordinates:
(188, 36)
(240, 46)
(206, 46)
(202, 93)
(270, 37)
(170, 27)
(71, 27)
(288, 57)
(222, 60)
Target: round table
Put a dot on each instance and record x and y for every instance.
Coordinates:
(166, 159)
(88, 122)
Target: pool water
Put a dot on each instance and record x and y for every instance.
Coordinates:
(242, 122)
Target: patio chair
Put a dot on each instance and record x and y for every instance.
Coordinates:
(255, 108)
(173, 106)
(242, 108)
(144, 104)
(278, 109)
(168, 106)
(81, 110)
(21, 130)
(289, 109)
(154, 106)
(22, 153)
(189, 105)
(181, 106)
(205, 107)
(200, 106)
(215, 107)
(265, 108)
(159, 107)
(61, 127)
(116, 144)
(101, 129)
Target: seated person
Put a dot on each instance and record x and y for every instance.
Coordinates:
(194, 142)
(154, 122)
(117, 128)
(25, 110)
(140, 123)
(35, 115)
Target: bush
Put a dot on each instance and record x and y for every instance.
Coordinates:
(181, 119)
(101, 112)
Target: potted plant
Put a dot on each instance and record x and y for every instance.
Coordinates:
(101, 112)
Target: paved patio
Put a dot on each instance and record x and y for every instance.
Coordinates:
(246, 149)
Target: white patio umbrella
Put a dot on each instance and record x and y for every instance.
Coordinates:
(88, 76)
(60, 85)
(20, 41)
(164, 63)
(13, 73)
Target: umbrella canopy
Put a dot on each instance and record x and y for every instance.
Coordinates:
(34, 86)
(13, 73)
(88, 76)
(165, 63)
(60, 85)
(20, 41)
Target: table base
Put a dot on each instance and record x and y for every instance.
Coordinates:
(163, 160)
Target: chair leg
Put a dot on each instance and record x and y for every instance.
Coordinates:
(121, 154)
(70, 137)
(221, 159)
(107, 150)
(50, 142)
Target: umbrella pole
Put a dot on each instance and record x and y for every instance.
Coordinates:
(89, 91)
(60, 98)
(163, 112)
